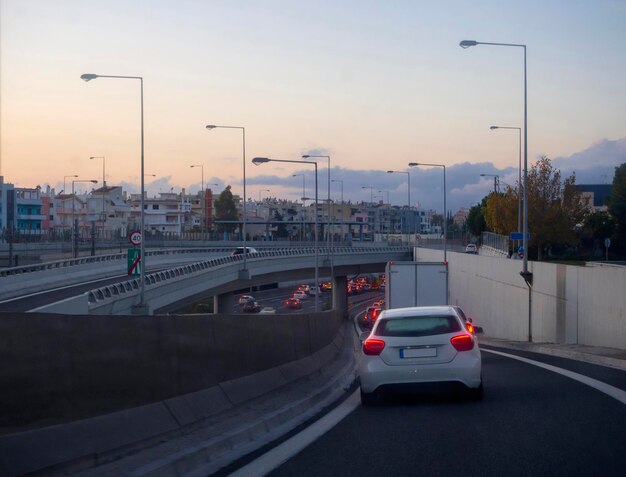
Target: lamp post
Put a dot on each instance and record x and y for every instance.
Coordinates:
(496, 181)
(445, 210)
(244, 273)
(328, 202)
(371, 188)
(74, 225)
(104, 183)
(525, 273)
(65, 177)
(408, 178)
(445, 218)
(519, 174)
(261, 160)
(142, 269)
(340, 181)
(201, 166)
(303, 195)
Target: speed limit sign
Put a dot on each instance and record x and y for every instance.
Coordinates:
(135, 237)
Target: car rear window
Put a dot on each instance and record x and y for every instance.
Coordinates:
(418, 326)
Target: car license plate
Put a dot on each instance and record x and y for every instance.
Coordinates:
(418, 352)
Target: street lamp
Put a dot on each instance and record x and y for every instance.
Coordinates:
(340, 181)
(328, 231)
(528, 277)
(201, 166)
(64, 186)
(496, 181)
(243, 274)
(371, 188)
(445, 210)
(408, 178)
(382, 196)
(262, 190)
(303, 210)
(142, 257)
(519, 176)
(104, 183)
(262, 160)
(74, 225)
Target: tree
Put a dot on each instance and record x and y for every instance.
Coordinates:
(555, 210)
(617, 202)
(281, 228)
(476, 219)
(501, 211)
(226, 209)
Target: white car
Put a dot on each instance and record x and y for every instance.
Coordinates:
(300, 295)
(411, 347)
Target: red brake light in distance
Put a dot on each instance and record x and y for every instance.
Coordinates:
(462, 342)
(372, 347)
(469, 327)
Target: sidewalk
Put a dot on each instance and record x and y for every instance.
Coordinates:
(610, 357)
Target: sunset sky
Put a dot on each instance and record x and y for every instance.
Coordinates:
(374, 84)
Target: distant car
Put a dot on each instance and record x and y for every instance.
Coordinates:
(304, 288)
(379, 304)
(293, 303)
(420, 346)
(300, 295)
(245, 298)
(369, 318)
(251, 306)
(469, 323)
(471, 248)
(240, 251)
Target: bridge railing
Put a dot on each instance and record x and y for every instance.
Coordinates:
(131, 286)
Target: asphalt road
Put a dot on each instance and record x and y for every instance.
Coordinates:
(532, 422)
(34, 300)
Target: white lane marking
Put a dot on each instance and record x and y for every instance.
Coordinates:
(612, 391)
(280, 454)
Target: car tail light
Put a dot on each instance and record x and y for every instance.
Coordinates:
(462, 342)
(373, 347)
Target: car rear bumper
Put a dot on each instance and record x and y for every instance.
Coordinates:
(465, 369)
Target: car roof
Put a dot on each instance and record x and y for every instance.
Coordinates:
(418, 311)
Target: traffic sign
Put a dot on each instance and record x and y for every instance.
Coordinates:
(518, 236)
(134, 262)
(607, 242)
(135, 237)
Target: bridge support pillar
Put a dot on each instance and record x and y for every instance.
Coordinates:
(340, 294)
(223, 303)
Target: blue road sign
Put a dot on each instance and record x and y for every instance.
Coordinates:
(518, 236)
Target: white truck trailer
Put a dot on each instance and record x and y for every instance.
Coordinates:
(416, 284)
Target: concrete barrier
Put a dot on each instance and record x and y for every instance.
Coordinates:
(109, 381)
(567, 304)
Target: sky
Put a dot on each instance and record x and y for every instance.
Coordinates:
(373, 84)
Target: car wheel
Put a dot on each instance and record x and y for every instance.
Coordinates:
(370, 399)
(475, 394)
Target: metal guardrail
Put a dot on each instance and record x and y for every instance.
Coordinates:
(132, 285)
(4, 272)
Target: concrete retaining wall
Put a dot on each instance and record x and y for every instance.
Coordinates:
(60, 367)
(568, 304)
